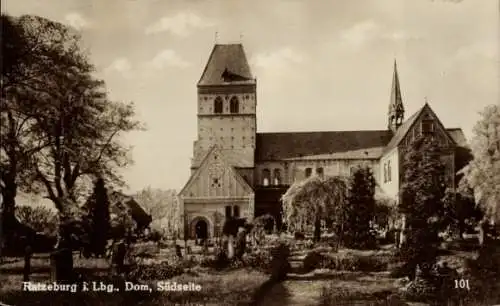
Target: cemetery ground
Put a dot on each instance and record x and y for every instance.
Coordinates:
(319, 275)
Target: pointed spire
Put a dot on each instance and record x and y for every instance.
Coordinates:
(396, 108)
(396, 103)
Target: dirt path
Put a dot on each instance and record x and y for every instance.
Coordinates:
(294, 293)
(344, 288)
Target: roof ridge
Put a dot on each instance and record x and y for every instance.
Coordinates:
(330, 131)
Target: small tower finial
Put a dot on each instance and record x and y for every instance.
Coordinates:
(216, 37)
(241, 38)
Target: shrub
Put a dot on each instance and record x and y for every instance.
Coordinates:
(155, 272)
(218, 261)
(420, 290)
(312, 261)
(346, 262)
(299, 236)
(39, 218)
(155, 236)
(259, 259)
(484, 276)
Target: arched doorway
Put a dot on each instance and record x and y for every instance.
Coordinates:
(201, 229)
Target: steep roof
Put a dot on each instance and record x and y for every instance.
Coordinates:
(454, 134)
(402, 131)
(117, 199)
(458, 135)
(227, 64)
(367, 153)
(278, 146)
(222, 158)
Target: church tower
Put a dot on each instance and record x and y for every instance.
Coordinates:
(396, 108)
(227, 103)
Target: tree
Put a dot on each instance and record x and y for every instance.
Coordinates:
(39, 218)
(482, 174)
(31, 54)
(163, 207)
(361, 209)
(73, 128)
(98, 214)
(462, 213)
(422, 192)
(314, 200)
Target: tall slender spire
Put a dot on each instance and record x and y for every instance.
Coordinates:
(396, 108)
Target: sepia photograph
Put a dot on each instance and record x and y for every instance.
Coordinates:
(266, 152)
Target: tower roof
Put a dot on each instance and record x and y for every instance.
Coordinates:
(227, 65)
(396, 103)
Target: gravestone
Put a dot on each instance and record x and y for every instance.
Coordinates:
(27, 263)
(240, 243)
(118, 258)
(178, 251)
(230, 247)
(61, 264)
(205, 246)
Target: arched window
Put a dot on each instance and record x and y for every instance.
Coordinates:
(236, 211)
(320, 171)
(218, 105)
(266, 177)
(385, 172)
(228, 211)
(277, 177)
(308, 172)
(234, 105)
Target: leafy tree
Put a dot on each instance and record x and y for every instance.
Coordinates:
(98, 214)
(70, 128)
(361, 209)
(314, 200)
(482, 174)
(82, 124)
(422, 192)
(462, 213)
(122, 223)
(163, 207)
(39, 218)
(31, 55)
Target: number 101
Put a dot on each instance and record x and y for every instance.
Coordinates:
(462, 284)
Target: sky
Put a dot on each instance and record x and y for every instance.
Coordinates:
(327, 63)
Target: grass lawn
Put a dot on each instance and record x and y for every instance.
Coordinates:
(233, 287)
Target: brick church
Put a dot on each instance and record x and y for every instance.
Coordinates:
(236, 171)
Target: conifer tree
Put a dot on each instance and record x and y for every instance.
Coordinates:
(422, 192)
(99, 217)
(361, 209)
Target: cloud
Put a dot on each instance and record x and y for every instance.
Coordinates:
(121, 65)
(450, 1)
(278, 61)
(168, 58)
(181, 24)
(360, 33)
(486, 49)
(365, 32)
(76, 21)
